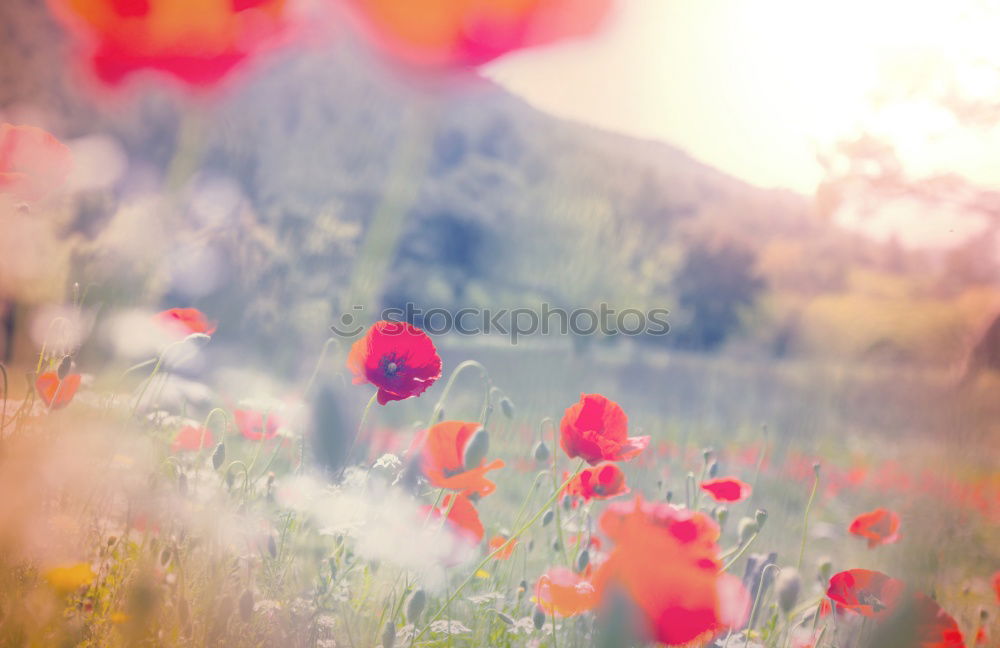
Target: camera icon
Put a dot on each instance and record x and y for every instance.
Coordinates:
(350, 323)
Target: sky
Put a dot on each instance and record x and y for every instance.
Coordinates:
(757, 87)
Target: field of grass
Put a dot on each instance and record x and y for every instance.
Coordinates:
(117, 529)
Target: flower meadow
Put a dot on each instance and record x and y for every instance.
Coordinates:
(168, 482)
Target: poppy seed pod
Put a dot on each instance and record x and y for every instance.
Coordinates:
(415, 606)
(786, 587)
(538, 618)
(541, 452)
(507, 407)
(582, 560)
(548, 517)
(721, 515)
(825, 569)
(761, 517)
(503, 617)
(475, 449)
(219, 456)
(389, 635)
(246, 605)
(272, 546)
(746, 529)
(64, 367)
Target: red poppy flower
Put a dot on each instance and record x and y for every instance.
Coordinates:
(726, 489)
(56, 393)
(198, 42)
(396, 357)
(996, 584)
(33, 163)
(185, 321)
(564, 592)
(596, 429)
(604, 481)
(869, 593)
(666, 562)
(496, 542)
(442, 455)
(463, 519)
(461, 33)
(880, 526)
(251, 424)
(192, 439)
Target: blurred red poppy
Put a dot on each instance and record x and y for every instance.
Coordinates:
(498, 541)
(443, 452)
(996, 584)
(33, 163)
(727, 489)
(466, 33)
(191, 439)
(869, 593)
(396, 357)
(933, 628)
(880, 526)
(596, 429)
(56, 393)
(185, 321)
(463, 519)
(603, 481)
(564, 592)
(198, 42)
(252, 426)
(666, 562)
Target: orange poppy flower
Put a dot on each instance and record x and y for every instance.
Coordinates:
(191, 438)
(880, 526)
(596, 429)
(666, 562)
(603, 481)
(564, 592)
(251, 424)
(33, 163)
(185, 321)
(198, 42)
(869, 593)
(464, 33)
(726, 489)
(463, 519)
(396, 357)
(442, 455)
(496, 542)
(56, 393)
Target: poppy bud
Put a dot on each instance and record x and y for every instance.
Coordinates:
(670, 496)
(786, 587)
(721, 515)
(522, 587)
(548, 517)
(825, 569)
(64, 366)
(983, 614)
(475, 449)
(746, 529)
(246, 605)
(503, 617)
(219, 456)
(389, 635)
(538, 618)
(541, 452)
(507, 407)
(582, 560)
(706, 454)
(556, 546)
(816, 469)
(531, 545)
(713, 469)
(230, 477)
(567, 503)
(415, 606)
(272, 546)
(761, 517)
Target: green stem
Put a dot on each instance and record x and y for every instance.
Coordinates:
(805, 519)
(468, 364)
(361, 425)
(514, 536)
(742, 551)
(319, 363)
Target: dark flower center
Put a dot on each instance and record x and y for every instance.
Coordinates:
(391, 365)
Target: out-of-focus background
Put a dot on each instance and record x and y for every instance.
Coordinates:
(810, 192)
